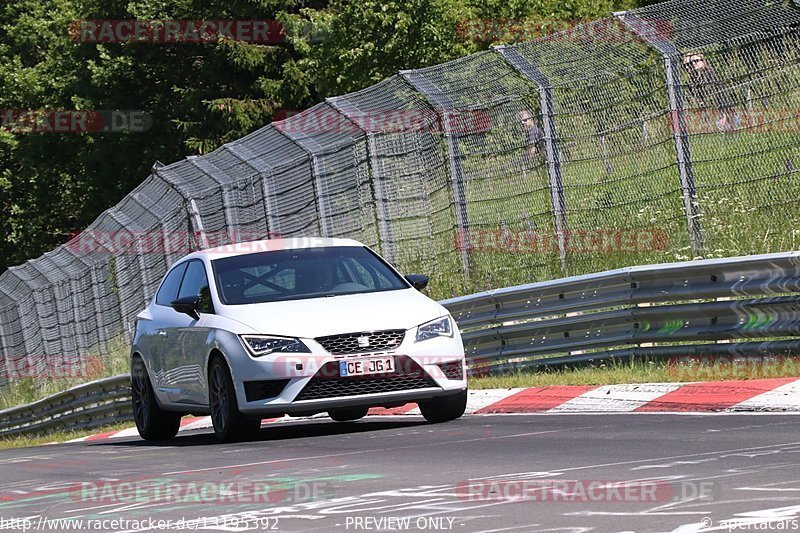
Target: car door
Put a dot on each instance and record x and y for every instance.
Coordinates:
(186, 339)
(153, 344)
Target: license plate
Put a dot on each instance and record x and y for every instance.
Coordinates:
(363, 366)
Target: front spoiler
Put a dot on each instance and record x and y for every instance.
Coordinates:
(381, 399)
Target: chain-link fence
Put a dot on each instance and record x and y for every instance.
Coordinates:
(663, 133)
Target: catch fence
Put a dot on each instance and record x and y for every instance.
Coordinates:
(664, 133)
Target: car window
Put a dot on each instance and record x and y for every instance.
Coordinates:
(304, 273)
(169, 289)
(195, 283)
(282, 280)
(365, 273)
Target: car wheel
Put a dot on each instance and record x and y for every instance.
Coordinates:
(348, 415)
(152, 422)
(444, 408)
(229, 423)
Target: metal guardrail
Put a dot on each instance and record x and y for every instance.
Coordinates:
(736, 306)
(634, 146)
(696, 308)
(87, 406)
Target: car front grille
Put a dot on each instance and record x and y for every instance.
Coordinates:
(376, 341)
(327, 383)
(263, 389)
(452, 370)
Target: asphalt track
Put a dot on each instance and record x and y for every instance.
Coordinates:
(711, 472)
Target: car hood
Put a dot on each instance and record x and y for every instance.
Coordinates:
(316, 317)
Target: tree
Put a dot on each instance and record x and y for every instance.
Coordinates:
(198, 96)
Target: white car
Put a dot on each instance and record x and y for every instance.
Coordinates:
(291, 326)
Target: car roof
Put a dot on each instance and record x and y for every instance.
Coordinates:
(267, 245)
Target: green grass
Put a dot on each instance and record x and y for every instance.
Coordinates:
(746, 183)
(24, 441)
(30, 389)
(640, 372)
(620, 179)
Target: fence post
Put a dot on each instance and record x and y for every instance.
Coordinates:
(381, 201)
(197, 222)
(243, 154)
(388, 248)
(320, 176)
(58, 282)
(8, 371)
(313, 148)
(530, 72)
(125, 221)
(215, 174)
(446, 108)
(680, 135)
(104, 337)
(29, 333)
(191, 204)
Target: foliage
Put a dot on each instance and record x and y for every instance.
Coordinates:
(198, 96)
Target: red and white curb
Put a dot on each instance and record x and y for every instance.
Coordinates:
(757, 395)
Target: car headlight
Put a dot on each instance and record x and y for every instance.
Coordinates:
(267, 344)
(441, 327)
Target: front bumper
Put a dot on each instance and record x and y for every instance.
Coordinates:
(310, 383)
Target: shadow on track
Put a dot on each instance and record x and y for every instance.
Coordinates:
(271, 432)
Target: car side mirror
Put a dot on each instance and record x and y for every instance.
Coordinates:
(187, 305)
(418, 281)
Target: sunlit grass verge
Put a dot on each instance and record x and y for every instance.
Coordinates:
(30, 389)
(24, 441)
(621, 372)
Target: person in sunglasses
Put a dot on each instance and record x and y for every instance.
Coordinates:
(707, 88)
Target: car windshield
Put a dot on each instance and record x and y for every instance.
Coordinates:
(304, 273)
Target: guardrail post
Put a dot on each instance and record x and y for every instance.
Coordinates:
(448, 113)
(530, 72)
(680, 134)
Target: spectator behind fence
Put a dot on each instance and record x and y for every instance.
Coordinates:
(534, 136)
(707, 88)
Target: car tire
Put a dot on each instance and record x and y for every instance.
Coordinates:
(230, 425)
(152, 422)
(444, 408)
(348, 415)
